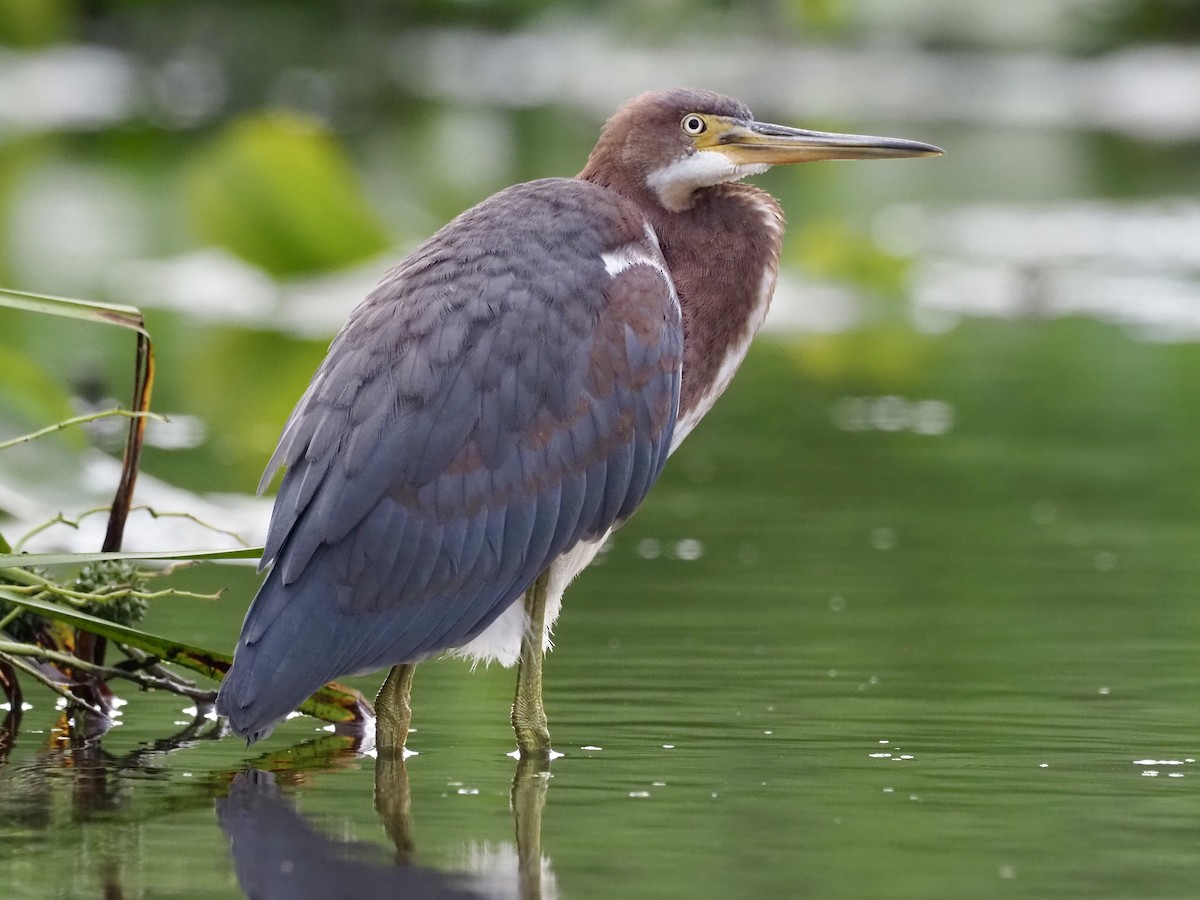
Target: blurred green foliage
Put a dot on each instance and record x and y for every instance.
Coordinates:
(30, 397)
(251, 380)
(1126, 21)
(819, 16)
(277, 189)
(884, 354)
(1102, 24)
(829, 248)
(27, 23)
(884, 357)
(17, 156)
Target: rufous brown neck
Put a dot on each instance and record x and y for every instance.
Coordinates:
(723, 255)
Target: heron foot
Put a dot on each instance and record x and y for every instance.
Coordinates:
(393, 711)
(531, 726)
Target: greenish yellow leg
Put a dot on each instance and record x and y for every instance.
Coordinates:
(393, 712)
(528, 714)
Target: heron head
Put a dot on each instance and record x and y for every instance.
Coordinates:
(679, 141)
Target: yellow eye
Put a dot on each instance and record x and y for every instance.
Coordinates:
(693, 124)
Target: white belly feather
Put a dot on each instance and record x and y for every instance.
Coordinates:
(501, 641)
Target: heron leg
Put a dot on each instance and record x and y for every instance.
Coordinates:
(528, 714)
(393, 712)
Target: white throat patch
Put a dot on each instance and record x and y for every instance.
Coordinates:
(676, 182)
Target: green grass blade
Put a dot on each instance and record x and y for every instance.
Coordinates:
(206, 662)
(26, 560)
(85, 310)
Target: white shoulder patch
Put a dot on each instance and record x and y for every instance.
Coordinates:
(627, 257)
(638, 253)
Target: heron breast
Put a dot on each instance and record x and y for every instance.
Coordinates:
(735, 353)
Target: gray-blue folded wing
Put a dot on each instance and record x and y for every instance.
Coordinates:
(502, 395)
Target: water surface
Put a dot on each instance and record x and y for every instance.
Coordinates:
(832, 656)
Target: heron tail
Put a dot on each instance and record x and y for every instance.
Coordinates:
(278, 663)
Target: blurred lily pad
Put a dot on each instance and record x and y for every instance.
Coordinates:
(829, 248)
(883, 352)
(277, 189)
(879, 356)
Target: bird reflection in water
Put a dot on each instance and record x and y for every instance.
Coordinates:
(279, 853)
(78, 790)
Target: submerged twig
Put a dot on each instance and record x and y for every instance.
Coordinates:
(58, 687)
(13, 649)
(148, 663)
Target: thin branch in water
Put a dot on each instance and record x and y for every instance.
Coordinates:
(209, 526)
(37, 675)
(79, 420)
(14, 575)
(143, 381)
(59, 519)
(12, 650)
(153, 665)
(12, 690)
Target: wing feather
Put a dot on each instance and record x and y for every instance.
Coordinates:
(498, 398)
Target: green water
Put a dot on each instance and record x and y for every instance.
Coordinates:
(887, 664)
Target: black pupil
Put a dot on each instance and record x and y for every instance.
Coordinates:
(694, 124)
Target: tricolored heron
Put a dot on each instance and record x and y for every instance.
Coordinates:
(505, 398)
